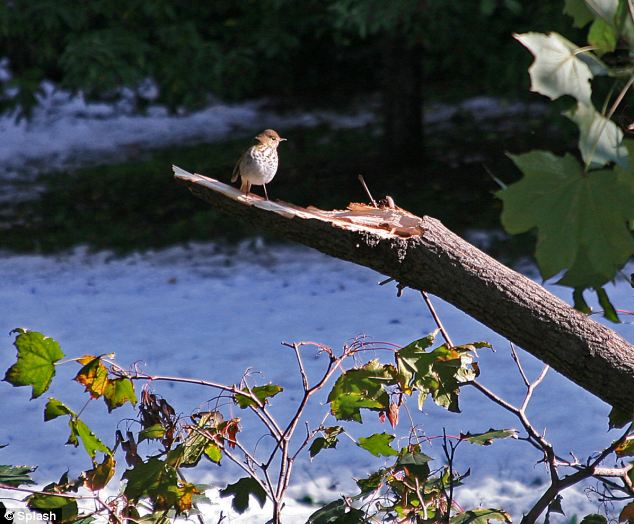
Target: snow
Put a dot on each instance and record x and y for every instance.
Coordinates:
(206, 312)
(67, 130)
(212, 312)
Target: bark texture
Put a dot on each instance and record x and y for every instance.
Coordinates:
(422, 254)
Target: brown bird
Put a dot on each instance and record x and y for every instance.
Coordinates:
(258, 164)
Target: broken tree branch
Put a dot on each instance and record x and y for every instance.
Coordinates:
(423, 254)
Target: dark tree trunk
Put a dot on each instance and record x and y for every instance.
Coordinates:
(402, 103)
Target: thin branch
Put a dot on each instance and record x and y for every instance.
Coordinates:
(361, 179)
(436, 318)
(300, 363)
(532, 386)
(286, 462)
(242, 466)
(259, 409)
(516, 359)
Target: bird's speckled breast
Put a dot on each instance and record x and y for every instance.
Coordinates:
(259, 165)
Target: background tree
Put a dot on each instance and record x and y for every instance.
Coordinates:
(312, 53)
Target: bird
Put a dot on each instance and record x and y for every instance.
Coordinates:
(258, 164)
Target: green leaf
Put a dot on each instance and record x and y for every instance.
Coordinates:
(594, 518)
(200, 436)
(361, 388)
(119, 391)
(213, 452)
(35, 365)
(116, 392)
(240, 492)
(407, 357)
(580, 302)
(154, 432)
(79, 431)
(373, 482)
(558, 69)
(600, 139)
(328, 441)
(154, 479)
(578, 10)
(619, 418)
(337, 512)
(378, 444)
(603, 36)
(64, 508)
(608, 309)
(581, 218)
(16, 475)
(262, 393)
(415, 462)
(437, 373)
(158, 481)
(92, 444)
(481, 516)
(55, 408)
(487, 438)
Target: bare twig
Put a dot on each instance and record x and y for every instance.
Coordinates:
(259, 408)
(436, 318)
(300, 363)
(516, 359)
(537, 440)
(361, 179)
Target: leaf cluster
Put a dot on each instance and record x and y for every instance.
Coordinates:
(406, 487)
(581, 211)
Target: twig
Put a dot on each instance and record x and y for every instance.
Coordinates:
(516, 359)
(436, 318)
(531, 388)
(374, 204)
(300, 363)
(259, 409)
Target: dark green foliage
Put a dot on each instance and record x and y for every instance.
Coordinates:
(309, 51)
(16, 475)
(241, 490)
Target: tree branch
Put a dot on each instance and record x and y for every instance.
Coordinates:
(424, 255)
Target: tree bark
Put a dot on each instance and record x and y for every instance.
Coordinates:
(422, 254)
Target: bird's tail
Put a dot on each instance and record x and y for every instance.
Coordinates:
(236, 171)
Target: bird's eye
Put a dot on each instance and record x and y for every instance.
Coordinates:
(273, 138)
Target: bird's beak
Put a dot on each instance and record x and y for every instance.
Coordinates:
(283, 139)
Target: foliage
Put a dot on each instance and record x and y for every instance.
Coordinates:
(406, 487)
(179, 56)
(581, 210)
(157, 480)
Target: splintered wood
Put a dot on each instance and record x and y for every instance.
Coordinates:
(384, 220)
(395, 220)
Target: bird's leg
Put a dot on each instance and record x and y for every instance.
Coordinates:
(265, 193)
(245, 186)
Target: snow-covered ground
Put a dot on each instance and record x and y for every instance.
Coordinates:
(212, 312)
(200, 311)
